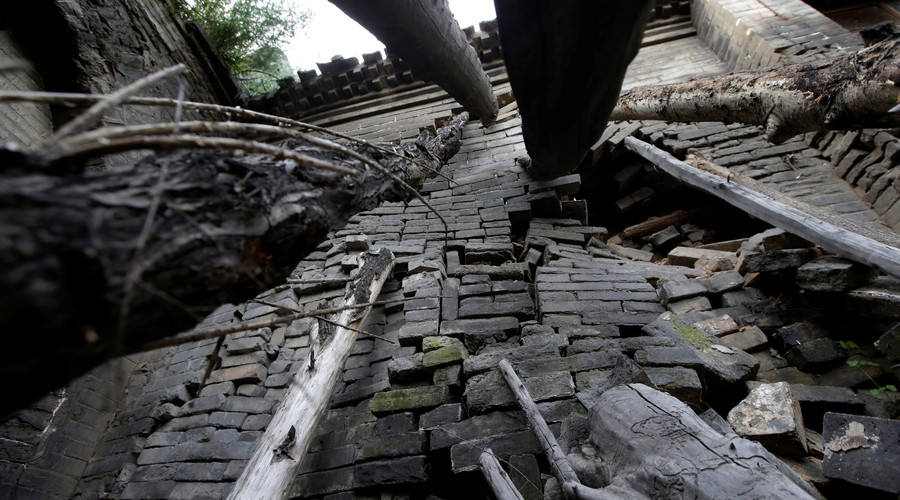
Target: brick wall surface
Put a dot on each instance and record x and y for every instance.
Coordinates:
(25, 124)
(759, 34)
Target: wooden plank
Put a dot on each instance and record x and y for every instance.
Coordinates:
(282, 448)
(828, 234)
(497, 478)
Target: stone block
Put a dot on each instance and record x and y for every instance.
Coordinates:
(245, 374)
(668, 356)
(329, 459)
(488, 253)
(477, 427)
(686, 306)
(417, 398)
(670, 291)
(688, 256)
(396, 445)
(832, 274)
(405, 470)
(778, 239)
(682, 383)
(505, 325)
(665, 240)
(816, 400)
(717, 326)
(450, 299)
(411, 334)
(778, 260)
(863, 451)
(816, 356)
(248, 405)
(727, 364)
(526, 476)
(488, 391)
(464, 456)
(407, 369)
(442, 415)
(574, 333)
(749, 339)
(881, 297)
(724, 282)
(450, 376)
(490, 359)
(771, 415)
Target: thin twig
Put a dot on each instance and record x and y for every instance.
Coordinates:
(72, 98)
(95, 113)
(253, 325)
(190, 141)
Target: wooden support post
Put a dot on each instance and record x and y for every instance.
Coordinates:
(497, 478)
(834, 234)
(282, 448)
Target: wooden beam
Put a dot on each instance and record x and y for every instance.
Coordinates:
(497, 478)
(425, 35)
(282, 448)
(566, 66)
(676, 218)
(835, 234)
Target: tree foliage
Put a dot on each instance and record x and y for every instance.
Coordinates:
(248, 34)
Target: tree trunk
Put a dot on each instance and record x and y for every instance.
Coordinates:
(566, 67)
(86, 274)
(281, 449)
(847, 93)
(837, 235)
(657, 447)
(425, 34)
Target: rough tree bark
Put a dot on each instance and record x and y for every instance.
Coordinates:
(654, 446)
(850, 92)
(566, 66)
(227, 225)
(425, 34)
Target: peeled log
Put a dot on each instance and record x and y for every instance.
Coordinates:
(425, 34)
(851, 92)
(566, 66)
(657, 447)
(228, 226)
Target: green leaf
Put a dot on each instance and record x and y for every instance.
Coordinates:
(848, 344)
(891, 387)
(866, 362)
(852, 362)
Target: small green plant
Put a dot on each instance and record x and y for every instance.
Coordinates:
(859, 363)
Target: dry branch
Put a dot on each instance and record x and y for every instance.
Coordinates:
(851, 92)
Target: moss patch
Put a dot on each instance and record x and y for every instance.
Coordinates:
(697, 338)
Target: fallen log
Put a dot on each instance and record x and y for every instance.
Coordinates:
(566, 67)
(427, 37)
(832, 232)
(281, 449)
(654, 446)
(95, 264)
(497, 478)
(851, 92)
